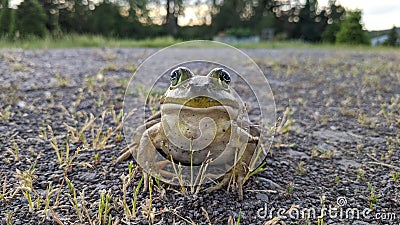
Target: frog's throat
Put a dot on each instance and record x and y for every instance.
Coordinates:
(201, 102)
(174, 109)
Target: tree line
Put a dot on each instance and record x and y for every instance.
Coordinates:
(289, 19)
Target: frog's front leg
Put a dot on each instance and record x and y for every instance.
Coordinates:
(238, 174)
(147, 155)
(138, 135)
(147, 140)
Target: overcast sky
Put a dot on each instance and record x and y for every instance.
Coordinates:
(377, 15)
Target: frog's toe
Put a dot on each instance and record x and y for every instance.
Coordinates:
(235, 178)
(126, 153)
(225, 182)
(239, 185)
(146, 178)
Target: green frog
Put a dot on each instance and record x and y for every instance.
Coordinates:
(201, 122)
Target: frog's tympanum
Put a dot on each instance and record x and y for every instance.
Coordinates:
(201, 124)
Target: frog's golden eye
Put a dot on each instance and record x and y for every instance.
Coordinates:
(220, 74)
(179, 75)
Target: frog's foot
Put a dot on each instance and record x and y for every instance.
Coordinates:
(163, 173)
(235, 178)
(152, 125)
(146, 180)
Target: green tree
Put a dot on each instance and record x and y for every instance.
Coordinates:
(308, 24)
(329, 34)
(6, 19)
(232, 14)
(104, 19)
(393, 36)
(335, 15)
(51, 8)
(351, 31)
(31, 19)
(300, 19)
(73, 16)
(174, 8)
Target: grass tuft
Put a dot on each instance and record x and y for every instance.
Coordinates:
(87, 41)
(77, 41)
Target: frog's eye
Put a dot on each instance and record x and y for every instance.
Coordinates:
(220, 74)
(179, 75)
(174, 77)
(225, 77)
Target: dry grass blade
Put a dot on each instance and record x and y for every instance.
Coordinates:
(55, 217)
(190, 221)
(385, 165)
(54, 144)
(4, 186)
(206, 215)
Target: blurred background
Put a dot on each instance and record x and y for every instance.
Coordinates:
(230, 21)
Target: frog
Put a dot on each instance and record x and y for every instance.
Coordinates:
(201, 119)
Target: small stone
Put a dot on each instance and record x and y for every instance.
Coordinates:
(21, 104)
(269, 183)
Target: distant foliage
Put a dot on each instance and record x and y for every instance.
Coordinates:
(335, 14)
(240, 32)
(393, 38)
(231, 14)
(7, 18)
(311, 25)
(195, 32)
(351, 31)
(31, 19)
(105, 19)
(329, 34)
(297, 20)
(142, 19)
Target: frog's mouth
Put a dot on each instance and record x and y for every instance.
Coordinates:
(201, 102)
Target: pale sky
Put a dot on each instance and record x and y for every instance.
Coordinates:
(377, 15)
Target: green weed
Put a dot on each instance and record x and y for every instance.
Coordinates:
(4, 190)
(19, 67)
(323, 213)
(395, 176)
(360, 174)
(300, 168)
(74, 197)
(9, 217)
(5, 114)
(63, 81)
(26, 179)
(14, 151)
(337, 179)
(62, 154)
(289, 189)
(104, 209)
(258, 170)
(373, 198)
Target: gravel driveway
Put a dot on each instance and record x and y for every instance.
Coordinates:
(339, 151)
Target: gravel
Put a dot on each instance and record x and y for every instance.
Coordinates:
(342, 150)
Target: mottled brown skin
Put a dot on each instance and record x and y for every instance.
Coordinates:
(195, 97)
